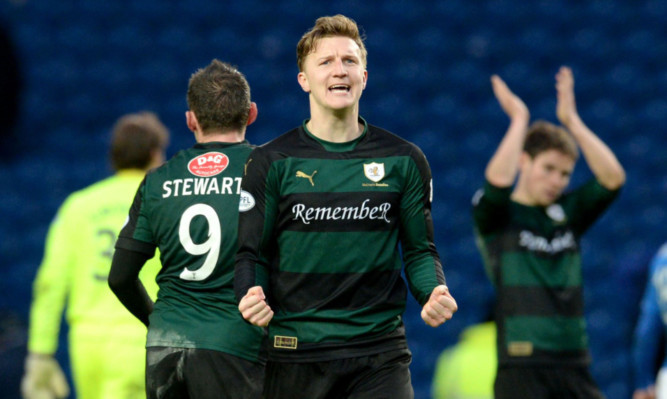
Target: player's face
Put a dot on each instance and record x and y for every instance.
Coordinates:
(546, 176)
(334, 74)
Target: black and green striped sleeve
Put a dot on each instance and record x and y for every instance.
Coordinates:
(423, 268)
(255, 227)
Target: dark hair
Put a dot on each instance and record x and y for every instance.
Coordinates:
(219, 95)
(134, 138)
(543, 136)
(338, 25)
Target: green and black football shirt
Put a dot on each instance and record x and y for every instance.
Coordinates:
(532, 256)
(330, 228)
(189, 208)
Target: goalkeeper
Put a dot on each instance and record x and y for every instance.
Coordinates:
(106, 343)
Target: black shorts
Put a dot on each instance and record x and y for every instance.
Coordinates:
(184, 373)
(381, 376)
(545, 383)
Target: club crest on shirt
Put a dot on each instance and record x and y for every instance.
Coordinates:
(209, 164)
(556, 213)
(374, 171)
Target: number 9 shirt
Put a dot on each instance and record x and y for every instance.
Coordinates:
(188, 208)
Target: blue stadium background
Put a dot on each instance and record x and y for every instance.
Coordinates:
(84, 63)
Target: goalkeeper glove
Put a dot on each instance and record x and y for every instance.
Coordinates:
(43, 378)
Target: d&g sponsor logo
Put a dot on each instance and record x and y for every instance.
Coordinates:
(209, 164)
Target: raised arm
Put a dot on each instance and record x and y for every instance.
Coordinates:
(504, 165)
(599, 157)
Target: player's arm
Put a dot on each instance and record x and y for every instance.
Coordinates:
(423, 268)
(255, 230)
(645, 343)
(129, 257)
(648, 332)
(43, 375)
(599, 157)
(125, 284)
(502, 169)
(50, 287)
(491, 201)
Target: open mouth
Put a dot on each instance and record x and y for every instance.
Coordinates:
(339, 88)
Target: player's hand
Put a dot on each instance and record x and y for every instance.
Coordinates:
(513, 106)
(43, 378)
(254, 308)
(648, 393)
(566, 107)
(440, 307)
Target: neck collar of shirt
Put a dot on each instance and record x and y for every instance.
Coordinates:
(338, 147)
(217, 144)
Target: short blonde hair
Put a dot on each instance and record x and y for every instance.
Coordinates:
(338, 25)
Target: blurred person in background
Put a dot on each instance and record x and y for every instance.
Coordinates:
(529, 236)
(106, 344)
(650, 333)
(467, 369)
(198, 345)
(333, 200)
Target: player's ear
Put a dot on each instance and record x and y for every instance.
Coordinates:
(191, 121)
(303, 82)
(252, 115)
